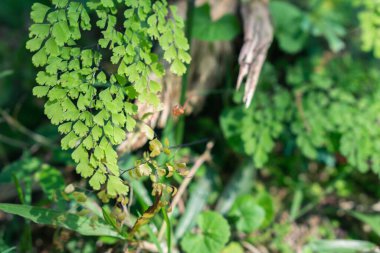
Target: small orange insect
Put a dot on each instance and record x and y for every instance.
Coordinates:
(178, 110)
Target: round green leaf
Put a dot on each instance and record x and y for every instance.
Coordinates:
(233, 247)
(265, 200)
(248, 215)
(214, 234)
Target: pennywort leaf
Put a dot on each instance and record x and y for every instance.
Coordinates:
(213, 235)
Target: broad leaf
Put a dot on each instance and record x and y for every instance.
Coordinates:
(288, 20)
(233, 247)
(224, 29)
(82, 225)
(341, 246)
(371, 220)
(265, 201)
(248, 215)
(214, 234)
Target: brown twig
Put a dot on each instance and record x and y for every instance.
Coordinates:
(250, 247)
(206, 156)
(142, 246)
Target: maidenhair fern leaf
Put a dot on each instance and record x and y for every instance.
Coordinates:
(39, 12)
(92, 107)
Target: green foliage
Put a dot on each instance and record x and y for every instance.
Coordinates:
(213, 235)
(259, 126)
(204, 28)
(341, 246)
(30, 170)
(22, 168)
(373, 221)
(233, 247)
(249, 216)
(265, 201)
(294, 26)
(326, 115)
(288, 24)
(82, 225)
(92, 106)
(52, 183)
(369, 25)
(331, 109)
(311, 128)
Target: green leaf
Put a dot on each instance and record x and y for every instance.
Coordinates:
(341, 246)
(170, 54)
(86, 57)
(40, 58)
(115, 186)
(230, 122)
(224, 29)
(265, 201)
(80, 128)
(85, 169)
(22, 168)
(38, 12)
(88, 143)
(155, 87)
(96, 133)
(102, 78)
(52, 47)
(39, 30)
(65, 128)
(7, 250)
(61, 32)
(80, 154)
(371, 220)
(34, 44)
(97, 180)
(40, 91)
(148, 131)
(288, 19)
(178, 67)
(107, 3)
(60, 3)
(83, 225)
(213, 235)
(233, 247)
(109, 219)
(248, 214)
(69, 140)
(52, 183)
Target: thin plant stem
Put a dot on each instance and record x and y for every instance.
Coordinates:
(185, 78)
(168, 229)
